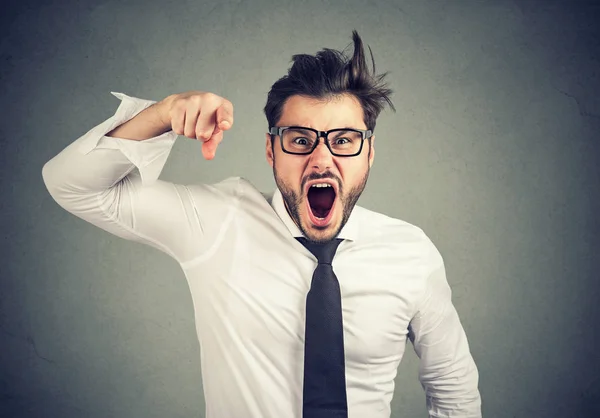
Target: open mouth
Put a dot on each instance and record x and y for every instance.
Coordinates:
(321, 197)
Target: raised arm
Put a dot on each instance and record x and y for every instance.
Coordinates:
(109, 177)
(447, 370)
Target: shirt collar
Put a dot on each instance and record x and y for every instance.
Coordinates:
(348, 232)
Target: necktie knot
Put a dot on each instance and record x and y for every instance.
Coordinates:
(324, 252)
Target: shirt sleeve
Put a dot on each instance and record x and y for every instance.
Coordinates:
(447, 370)
(113, 184)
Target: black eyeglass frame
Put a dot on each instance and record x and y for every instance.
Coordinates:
(277, 130)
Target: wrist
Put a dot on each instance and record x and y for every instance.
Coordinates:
(161, 109)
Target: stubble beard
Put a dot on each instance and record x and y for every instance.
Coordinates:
(293, 201)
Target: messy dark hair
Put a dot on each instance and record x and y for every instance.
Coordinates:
(328, 74)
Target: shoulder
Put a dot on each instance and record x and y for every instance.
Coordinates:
(396, 235)
(375, 225)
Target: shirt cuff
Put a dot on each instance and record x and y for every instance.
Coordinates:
(149, 156)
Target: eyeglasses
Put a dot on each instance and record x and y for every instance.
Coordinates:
(342, 142)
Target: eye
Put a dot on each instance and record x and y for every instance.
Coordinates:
(342, 141)
(299, 139)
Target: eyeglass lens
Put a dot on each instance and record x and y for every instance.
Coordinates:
(345, 142)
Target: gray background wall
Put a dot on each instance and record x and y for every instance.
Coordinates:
(493, 152)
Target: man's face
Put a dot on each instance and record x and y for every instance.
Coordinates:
(319, 212)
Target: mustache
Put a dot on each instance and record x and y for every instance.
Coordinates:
(325, 175)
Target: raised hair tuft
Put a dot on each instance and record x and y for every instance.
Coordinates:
(330, 73)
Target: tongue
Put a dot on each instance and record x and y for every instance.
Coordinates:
(321, 200)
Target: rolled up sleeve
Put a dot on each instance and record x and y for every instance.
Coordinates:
(148, 156)
(113, 183)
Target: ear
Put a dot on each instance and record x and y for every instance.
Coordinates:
(269, 150)
(372, 151)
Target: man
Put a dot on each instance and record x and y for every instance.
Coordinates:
(303, 300)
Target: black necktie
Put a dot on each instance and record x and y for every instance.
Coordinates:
(324, 366)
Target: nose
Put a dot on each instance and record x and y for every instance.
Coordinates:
(321, 158)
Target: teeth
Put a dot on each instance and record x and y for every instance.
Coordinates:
(321, 185)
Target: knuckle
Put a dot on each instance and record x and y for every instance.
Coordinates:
(179, 103)
(202, 135)
(210, 97)
(196, 99)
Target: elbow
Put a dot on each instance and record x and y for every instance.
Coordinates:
(456, 392)
(55, 183)
(50, 179)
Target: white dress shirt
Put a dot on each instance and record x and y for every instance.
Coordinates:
(249, 278)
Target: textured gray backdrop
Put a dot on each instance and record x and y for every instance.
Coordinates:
(493, 152)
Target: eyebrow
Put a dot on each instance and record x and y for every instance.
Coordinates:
(306, 129)
(342, 131)
(300, 130)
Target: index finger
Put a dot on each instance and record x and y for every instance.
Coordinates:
(225, 115)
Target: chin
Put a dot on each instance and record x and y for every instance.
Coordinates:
(321, 230)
